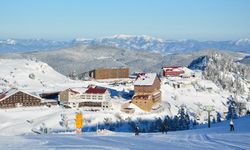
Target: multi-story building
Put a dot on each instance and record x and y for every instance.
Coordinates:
(18, 98)
(91, 97)
(109, 73)
(147, 91)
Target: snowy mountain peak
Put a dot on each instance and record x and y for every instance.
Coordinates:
(245, 41)
(133, 37)
(130, 42)
(8, 42)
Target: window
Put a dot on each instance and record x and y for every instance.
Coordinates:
(88, 97)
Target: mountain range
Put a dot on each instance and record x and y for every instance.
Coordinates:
(129, 42)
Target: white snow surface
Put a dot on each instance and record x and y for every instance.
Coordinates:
(214, 138)
(15, 73)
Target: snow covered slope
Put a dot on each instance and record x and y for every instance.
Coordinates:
(30, 75)
(194, 94)
(217, 137)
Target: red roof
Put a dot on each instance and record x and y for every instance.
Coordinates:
(96, 90)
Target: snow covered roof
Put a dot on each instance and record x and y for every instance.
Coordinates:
(173, 68)
(79, 90)
(8, 93)
(146, 79)
(13, 91)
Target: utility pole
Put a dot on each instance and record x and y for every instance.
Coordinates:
(208, 109)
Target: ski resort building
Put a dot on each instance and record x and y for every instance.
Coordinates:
(178, 71)
(17, 98)
(147, 91)
(91, 97)
(173, 71)
(109, 73)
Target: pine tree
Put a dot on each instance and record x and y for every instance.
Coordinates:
(158, 124)
(184, 120)
(248, 113)
(231, 114)
(218, 116)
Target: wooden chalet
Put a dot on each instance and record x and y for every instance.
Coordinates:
(17, 98)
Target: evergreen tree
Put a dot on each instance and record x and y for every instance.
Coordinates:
(218, 116)
(213, 121)
(184, 120)
(248, 112)
(231, 114)
(159, 124)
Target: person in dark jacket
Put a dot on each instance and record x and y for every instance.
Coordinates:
(164, 128)
(137, 130)
(231, 125)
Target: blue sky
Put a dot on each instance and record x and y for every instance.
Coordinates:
(168, 19)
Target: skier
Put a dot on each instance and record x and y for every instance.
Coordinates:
(164, 128)
(137, 130)
(231, 125)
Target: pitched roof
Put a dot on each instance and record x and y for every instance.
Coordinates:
(8, 93)
(96, 90)
(13, 91)
(146, 79)
(78, 90)
(174, 68)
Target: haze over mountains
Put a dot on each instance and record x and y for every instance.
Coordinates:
(129, 42)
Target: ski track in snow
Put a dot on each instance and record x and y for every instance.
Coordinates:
(124, 141)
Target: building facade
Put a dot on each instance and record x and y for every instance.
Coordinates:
(109, 73)
(17, 98)
(91, 97)
(147, 91)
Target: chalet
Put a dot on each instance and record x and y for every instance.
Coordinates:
(16, 98)
(175, 71)
(91, 97)
(109, 73)
(147, 91)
